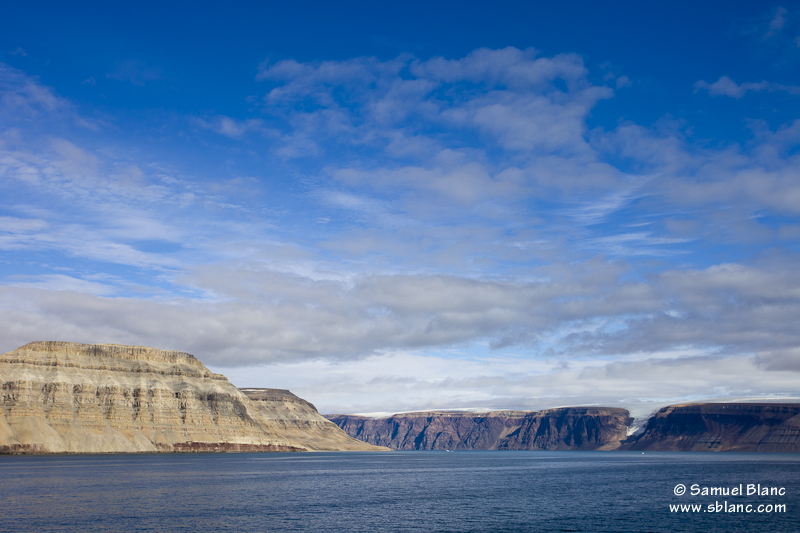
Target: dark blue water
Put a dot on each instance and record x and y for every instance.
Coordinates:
(400, 491)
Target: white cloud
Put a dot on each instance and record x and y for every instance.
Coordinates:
(13, 225)
(517, 69)
(20, 93)
(231, 127)
(403, 381)
(777, 22)
(460, 183)
(26, 103)
(759, 176)
(417, 206)
(515, 99)
(259, 314)
(63, 283)
(727, 87)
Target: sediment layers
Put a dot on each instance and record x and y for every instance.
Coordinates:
(718, 427)
(60, 397)
(569, 428)
(298, 421)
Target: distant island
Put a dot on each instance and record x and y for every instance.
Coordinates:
(62, 397)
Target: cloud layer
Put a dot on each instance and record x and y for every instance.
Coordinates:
(370, 212)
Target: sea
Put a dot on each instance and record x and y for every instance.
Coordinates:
(419, 491)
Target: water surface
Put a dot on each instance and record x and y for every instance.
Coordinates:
(399, 491)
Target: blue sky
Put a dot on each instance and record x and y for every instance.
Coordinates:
(387, 208)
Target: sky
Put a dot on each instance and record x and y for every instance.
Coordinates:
(389, 207)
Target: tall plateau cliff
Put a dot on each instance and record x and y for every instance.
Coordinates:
(721, 427)
(569, 428)
(61, 397)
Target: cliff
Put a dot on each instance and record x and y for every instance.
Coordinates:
(570, 428)
(60, 397)
(298, 420)
(722, 427)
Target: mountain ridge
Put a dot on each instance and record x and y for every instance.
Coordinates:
(744, 427)
(710, 426)
(566, 428)
(63, 397)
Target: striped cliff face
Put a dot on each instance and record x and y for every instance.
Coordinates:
(60, 397)
(721, 427)
(569, 428)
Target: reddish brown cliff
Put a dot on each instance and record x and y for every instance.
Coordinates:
(721, 427)
(569, 428)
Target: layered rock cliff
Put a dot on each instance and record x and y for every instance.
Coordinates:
(570, 428)
(719, 427)
(60, 397)
(298, 421)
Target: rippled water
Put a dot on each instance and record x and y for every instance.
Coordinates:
(399, 491)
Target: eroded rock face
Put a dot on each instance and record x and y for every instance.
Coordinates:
(299, 421)
(571, 428)
(719, 427)
(60, 397)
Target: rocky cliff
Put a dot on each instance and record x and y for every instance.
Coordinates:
(722, 427)
(60, 397)
(298, 420)
(570, 428)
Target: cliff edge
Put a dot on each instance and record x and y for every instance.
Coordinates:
(721, 427)
(568, 428)
(62, 397)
